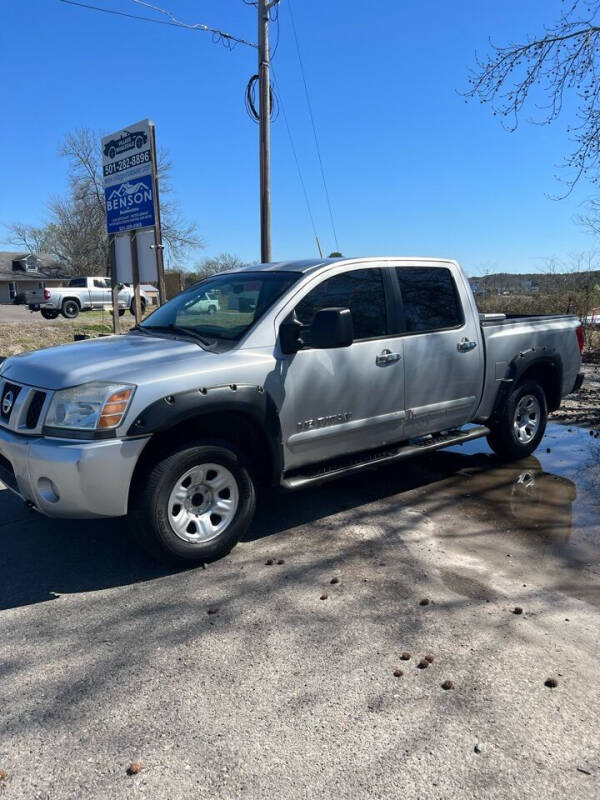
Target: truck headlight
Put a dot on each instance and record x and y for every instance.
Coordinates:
(91, 406)
(3, 365)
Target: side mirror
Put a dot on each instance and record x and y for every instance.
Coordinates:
(332, 327)
(289, 335)
(120, 286)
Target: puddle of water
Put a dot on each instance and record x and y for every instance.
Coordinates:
(542, 512)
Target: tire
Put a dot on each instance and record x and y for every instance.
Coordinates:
(212, 309)
(70, 309)
(48, 313)
(121, 312)
(174, 514)
(522, 424)
(142, 307)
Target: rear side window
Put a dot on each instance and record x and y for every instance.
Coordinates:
(360, 290)
(78, 283)
(429, 297)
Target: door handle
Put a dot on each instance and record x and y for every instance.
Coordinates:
(386, 357)
(465, 345)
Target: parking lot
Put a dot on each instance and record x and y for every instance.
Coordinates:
(108, 659)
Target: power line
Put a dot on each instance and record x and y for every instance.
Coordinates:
(295, 154)
(314, 127)
(222, 37)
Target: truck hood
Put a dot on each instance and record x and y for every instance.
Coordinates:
(112, 358)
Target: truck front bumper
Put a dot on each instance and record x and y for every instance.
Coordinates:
(67, 478)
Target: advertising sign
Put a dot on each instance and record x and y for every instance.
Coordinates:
(128, 169)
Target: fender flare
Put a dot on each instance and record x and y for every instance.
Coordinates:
(521, 363)
(247, 399)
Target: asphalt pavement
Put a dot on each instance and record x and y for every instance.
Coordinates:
(20, 315)
(288, 689)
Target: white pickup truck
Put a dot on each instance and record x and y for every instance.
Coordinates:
(80, 294)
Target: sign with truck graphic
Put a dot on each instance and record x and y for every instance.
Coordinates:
(128, 168)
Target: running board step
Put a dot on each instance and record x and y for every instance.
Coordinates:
(327, 471)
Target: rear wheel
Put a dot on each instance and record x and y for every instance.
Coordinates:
(193, 505)
(70, 309)
(523, 422)
(47, 313)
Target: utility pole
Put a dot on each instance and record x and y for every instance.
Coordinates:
(264, 90)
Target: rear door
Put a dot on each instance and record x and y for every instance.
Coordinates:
(443, 359)
(342, 400)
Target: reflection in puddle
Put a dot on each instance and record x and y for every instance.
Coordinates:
(551, 492)
(542, 513)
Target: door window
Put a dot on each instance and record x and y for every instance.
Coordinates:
(98, 284)
(361, 291)
(429, 297)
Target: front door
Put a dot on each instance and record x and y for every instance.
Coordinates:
(343, 400)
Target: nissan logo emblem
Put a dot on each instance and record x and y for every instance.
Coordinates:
(7, 403)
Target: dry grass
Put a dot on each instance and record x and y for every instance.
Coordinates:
(16, 338)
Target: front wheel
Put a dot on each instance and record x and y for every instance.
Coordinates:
(522, 423)
(142, 307)
(194, 505)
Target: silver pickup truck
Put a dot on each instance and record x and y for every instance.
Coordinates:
(308, 370)
(80, 294)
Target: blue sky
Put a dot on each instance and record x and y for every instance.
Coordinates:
(412, 169)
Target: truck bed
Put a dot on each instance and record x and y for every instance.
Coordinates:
(510, 336)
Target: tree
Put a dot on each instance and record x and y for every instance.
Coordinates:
(76, 231)
(212, 265)
(561, 60)
(571, 287)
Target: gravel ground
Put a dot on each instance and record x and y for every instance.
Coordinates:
(583, 408)
(107, 659)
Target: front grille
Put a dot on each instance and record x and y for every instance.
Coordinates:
(35, 408)
(9, 397)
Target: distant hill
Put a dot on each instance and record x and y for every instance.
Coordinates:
(534, 282)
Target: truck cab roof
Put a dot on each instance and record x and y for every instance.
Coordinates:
(307, 265)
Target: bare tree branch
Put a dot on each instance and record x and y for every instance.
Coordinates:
(75, 233)
(563, 60)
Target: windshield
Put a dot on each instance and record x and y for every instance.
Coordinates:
(224, 306)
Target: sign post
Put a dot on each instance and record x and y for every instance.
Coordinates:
(131, 199)
(158, 245)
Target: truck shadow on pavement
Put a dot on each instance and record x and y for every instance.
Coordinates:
(43, 558)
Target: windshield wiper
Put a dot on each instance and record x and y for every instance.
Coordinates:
(176, 329)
